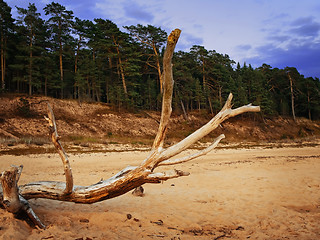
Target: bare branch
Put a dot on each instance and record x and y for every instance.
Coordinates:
(168, 88)
(55, 140)
(12, 200)
(228, 103)
(150, 65)
(194, 155)
(1, 196)
(163, 176)
(141, 40)
(30, 213)
(123, 172)
(18, 172)
(100, 191)
(225, 113)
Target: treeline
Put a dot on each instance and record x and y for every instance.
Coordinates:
(67, 57)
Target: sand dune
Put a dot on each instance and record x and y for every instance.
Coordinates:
(230, 194)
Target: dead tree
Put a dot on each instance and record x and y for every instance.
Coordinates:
(14, 198)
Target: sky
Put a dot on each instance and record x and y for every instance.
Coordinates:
(280, 33)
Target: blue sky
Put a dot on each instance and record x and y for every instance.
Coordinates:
(277, 32)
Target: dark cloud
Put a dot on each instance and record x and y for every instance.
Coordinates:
(310, 30)
(295, 44)
(306, 27)
(302, 21)
(305, 57)
(135, 11)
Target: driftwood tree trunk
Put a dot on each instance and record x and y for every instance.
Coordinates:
(14, 198)
(11, 199)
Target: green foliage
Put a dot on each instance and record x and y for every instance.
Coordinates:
(6, 32)
(87, 60)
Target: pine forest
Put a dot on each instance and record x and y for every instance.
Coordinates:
(94, 61)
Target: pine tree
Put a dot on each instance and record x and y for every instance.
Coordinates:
(6, 30)
(30, 24)
(60, 24)
(153, 39)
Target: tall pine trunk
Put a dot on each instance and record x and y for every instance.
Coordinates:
(61, 68)
(123, 78)
(203, 75)
(159, 73)
(30, 66)
(76, 85)
(2, 63)
(121, 69)
(292, 97)
(309, 110)
(158, 67)
(107, 82)
(60, 59)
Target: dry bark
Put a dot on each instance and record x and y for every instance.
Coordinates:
(13, 201)
(15, 198)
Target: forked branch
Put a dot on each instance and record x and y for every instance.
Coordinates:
(131, 176)
(194, 155)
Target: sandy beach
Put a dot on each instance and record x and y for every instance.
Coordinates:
(257, 193)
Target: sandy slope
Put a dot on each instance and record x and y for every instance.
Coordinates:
(230, 194)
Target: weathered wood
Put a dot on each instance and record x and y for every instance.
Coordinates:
(55, 140)
(194, 155)
(225, 113)
(167, 89)
(1, 196)
(14, 198)
(10, 189)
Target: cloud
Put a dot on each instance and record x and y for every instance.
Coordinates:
(295, 44)
(80, 9)
(137, 12)
(128, 12)
(305, 57)
(187, 40)
(45, 2)
(199, 27)
(306, 27)
(243, 47)
(302, 21)
(279, 38)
